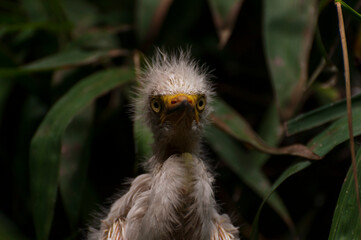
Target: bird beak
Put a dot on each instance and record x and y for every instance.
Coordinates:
(179, 107)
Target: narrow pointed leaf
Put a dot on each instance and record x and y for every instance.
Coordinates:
(286, 174)
(232, 123)
(270, 130)
(8, 230)
(335, 134)
(32, 26)
(83, 14)
(70, 58)
(54, 10)
(288, 34)
(346, 221)
(46, 144)
(34, 10)
(150, 16)
(321, 115)
(247, 170)
(224, 13)
(74, 163)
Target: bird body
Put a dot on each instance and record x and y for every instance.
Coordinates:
(175, 199)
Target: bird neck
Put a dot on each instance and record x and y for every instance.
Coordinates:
(173, 142)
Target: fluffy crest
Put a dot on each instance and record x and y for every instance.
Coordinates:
(174, 73)
(171, 73)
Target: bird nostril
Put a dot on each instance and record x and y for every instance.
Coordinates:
(180, 99)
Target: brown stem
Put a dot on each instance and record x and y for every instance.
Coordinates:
(348, 100)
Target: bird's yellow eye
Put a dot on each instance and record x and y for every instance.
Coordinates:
(201, 103)
(155, 105)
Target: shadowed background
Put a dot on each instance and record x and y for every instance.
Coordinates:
(68, 143)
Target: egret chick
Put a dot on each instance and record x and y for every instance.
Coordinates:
(174, 199)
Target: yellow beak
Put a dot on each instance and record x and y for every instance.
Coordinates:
(179, 106)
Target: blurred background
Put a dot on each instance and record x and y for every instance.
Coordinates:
(68, 143)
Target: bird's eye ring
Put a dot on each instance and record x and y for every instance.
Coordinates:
(201, 104)
(155, 105)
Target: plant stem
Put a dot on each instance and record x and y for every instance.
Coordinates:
(348, 100)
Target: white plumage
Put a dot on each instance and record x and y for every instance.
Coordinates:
(175, 199)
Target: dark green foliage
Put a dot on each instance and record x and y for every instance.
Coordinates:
(67, 141)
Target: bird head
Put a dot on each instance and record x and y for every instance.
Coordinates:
(174, 100)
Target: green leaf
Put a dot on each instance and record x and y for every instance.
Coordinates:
(83, 14)
(46, 143)
(288, 34)
(350, 9)
(225, 14)
(270, 130)
(34, 10)
(66, 59)
(335, 134)
(96, 39)
(346, 221)
(54, 10)
(246, 169)
(232, 123)
(74, 164)
(286, 174)
(321, 115)
(8, 230)
(32, 26)
(149, 17)
(323, 4)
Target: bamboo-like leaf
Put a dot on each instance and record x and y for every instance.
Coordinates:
(231, 122)
(54, 10)
(8, 230)
(286, 174)
(335, 134)
(323, 4)
(288, 33)
(225, 14)
(320, 115)
(46, 143)
(70, 58)
(73, 164)
(34, 10)
(245, 168)
(149, 18)
(270, 131)
(346, 222)
(32, 26)
(83, 14)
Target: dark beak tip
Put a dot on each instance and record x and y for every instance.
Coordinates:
(183, 105)
(186, 104)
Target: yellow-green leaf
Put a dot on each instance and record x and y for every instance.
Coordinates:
(247, 170)
(225, 14)
(346, 221)
(286, 174)
(288, 34)
(46, 143)
(232, 123)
